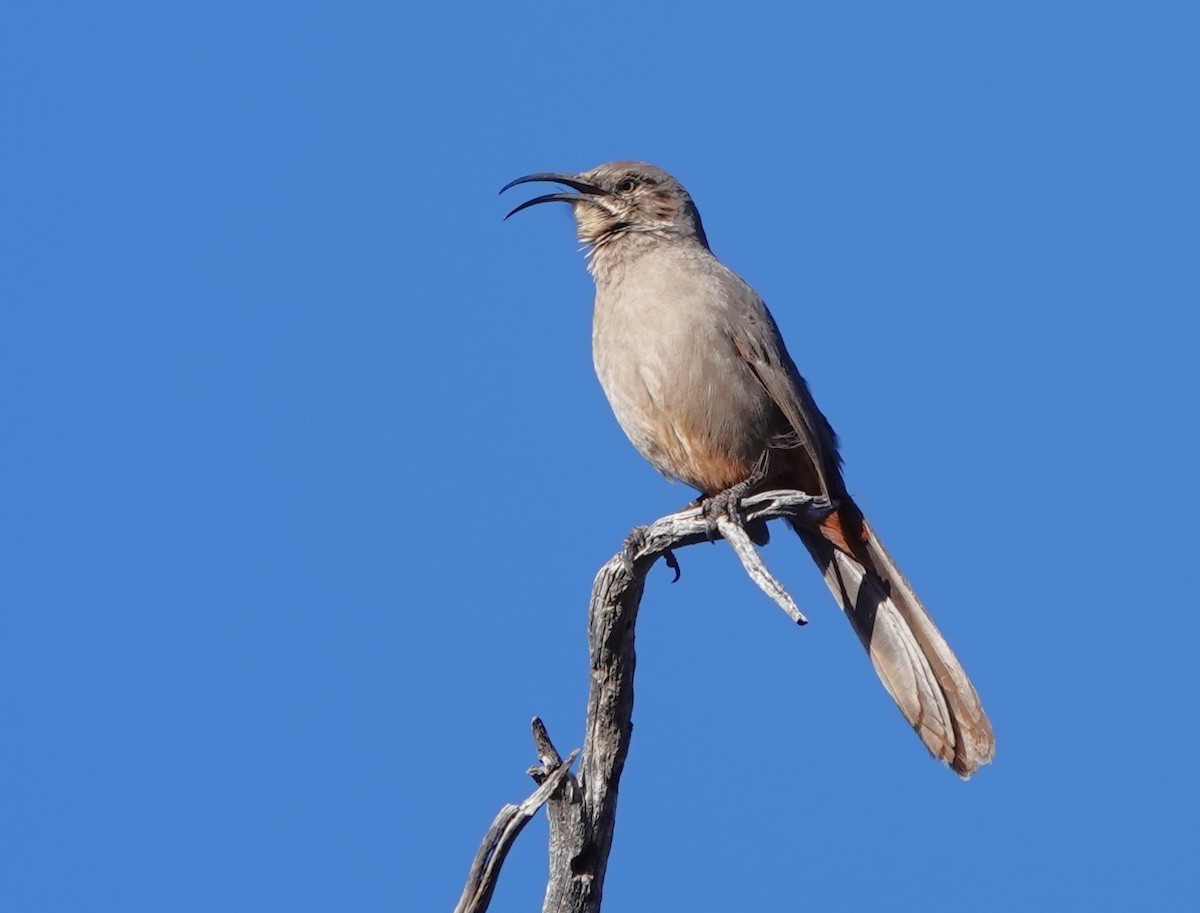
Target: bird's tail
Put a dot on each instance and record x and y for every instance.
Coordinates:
(912, 658)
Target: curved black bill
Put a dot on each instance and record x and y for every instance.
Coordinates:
(585, 190)
(550, 198)
(552, 177)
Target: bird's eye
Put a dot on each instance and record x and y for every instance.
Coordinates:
(627, 185)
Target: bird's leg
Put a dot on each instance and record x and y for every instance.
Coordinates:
(728, 503)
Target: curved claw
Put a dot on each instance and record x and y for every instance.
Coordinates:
(673, 564)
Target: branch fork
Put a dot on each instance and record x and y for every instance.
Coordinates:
(582, 811)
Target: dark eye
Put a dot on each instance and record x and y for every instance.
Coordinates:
(627, 186)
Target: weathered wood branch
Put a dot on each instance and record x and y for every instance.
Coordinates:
(509, 822)
(582, 813)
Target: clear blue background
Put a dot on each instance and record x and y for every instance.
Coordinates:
(304, 472)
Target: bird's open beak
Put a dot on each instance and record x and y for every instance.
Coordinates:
(585, 190)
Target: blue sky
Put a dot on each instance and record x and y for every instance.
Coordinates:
(305, 473)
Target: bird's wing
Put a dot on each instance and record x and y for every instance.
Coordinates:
(757, 339)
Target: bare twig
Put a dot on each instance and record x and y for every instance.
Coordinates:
(744, 549)
(511, 820)
(582, 813)
(548, 756)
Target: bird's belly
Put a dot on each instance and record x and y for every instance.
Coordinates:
(686, 401)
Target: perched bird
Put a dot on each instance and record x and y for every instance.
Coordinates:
(698, 376)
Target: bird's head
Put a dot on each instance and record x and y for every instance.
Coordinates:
(622, 199)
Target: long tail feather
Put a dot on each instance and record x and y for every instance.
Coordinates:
(917, 667)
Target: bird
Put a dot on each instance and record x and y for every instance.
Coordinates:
(697, 374)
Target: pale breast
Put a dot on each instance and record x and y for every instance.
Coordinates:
(675, 381)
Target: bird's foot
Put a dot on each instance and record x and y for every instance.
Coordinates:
(725, 505)
(632, 546)
(673, 564)
(728, 504)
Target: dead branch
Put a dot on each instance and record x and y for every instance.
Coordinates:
(509, 822)
(582, 812)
